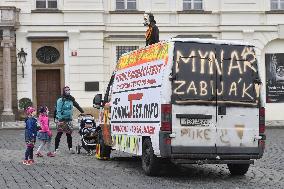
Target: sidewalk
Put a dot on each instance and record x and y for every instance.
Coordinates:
(21, 124)
(276, 124)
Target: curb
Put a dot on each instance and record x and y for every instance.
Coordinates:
(22, 128)
(20, 125)
(274, 127)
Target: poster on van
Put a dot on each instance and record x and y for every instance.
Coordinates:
(274, 77)
(136, 100)
(204, 72)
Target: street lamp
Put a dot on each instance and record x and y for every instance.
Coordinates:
(22, 59)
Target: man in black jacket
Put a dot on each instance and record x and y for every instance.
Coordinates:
(152, 33)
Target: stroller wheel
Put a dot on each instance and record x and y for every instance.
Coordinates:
(78, 149)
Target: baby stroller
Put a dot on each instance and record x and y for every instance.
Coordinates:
(88, 133)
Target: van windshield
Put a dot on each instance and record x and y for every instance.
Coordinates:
(205, 72)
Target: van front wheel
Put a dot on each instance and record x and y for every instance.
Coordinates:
(149, 160)
(238, 169)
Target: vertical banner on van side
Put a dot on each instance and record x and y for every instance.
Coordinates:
(128, 143)
(135, 97)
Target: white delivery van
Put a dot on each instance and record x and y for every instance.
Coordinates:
(188, 101)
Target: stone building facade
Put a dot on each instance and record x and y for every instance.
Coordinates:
(9, 22)
(77, 42)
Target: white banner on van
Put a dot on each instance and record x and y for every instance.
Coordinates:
(136, 99)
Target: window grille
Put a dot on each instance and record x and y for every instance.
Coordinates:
(124, 49)
(46, 4)
(277, 4)
(192, 4)
(125, 4)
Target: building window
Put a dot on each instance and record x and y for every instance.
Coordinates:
(125, 4)
(124, 49)
(46, 4)
(277, 4)
(47, 54)
(192, 4)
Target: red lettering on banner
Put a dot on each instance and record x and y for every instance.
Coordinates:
(149, 129)
(151, 81)
(138, 83)
(138, 73)
(120, 128)
(131, 97)
(134, 129)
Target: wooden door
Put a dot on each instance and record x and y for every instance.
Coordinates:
(47, 88)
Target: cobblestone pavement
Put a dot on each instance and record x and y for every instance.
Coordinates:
(82, 171)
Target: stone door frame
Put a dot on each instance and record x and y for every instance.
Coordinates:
(37, 65)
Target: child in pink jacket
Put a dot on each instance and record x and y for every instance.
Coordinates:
(44, 134)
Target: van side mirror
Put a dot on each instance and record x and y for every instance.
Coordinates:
(97, 101)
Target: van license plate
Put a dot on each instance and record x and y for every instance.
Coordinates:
(194, 122)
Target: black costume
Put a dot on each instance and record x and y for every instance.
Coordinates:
(152, 33)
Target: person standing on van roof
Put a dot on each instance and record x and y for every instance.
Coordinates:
(64, 112)
(152, 33)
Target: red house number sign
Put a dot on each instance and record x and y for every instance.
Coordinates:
(74, 53)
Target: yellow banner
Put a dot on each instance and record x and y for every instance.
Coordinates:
(129, 144)
(157, 51)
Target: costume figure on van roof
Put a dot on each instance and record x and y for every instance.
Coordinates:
(152, 33)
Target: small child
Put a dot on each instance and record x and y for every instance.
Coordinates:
(30, 135)
(89, 132)
(89, 127)
(44, 134)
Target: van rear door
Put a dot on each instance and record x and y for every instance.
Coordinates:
(193, 101)
(237, 119)
(214, 101)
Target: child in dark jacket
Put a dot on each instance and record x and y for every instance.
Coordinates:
(30, 135)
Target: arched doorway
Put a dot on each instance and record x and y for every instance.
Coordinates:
(48, 71)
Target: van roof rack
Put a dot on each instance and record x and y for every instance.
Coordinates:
(212, 41)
